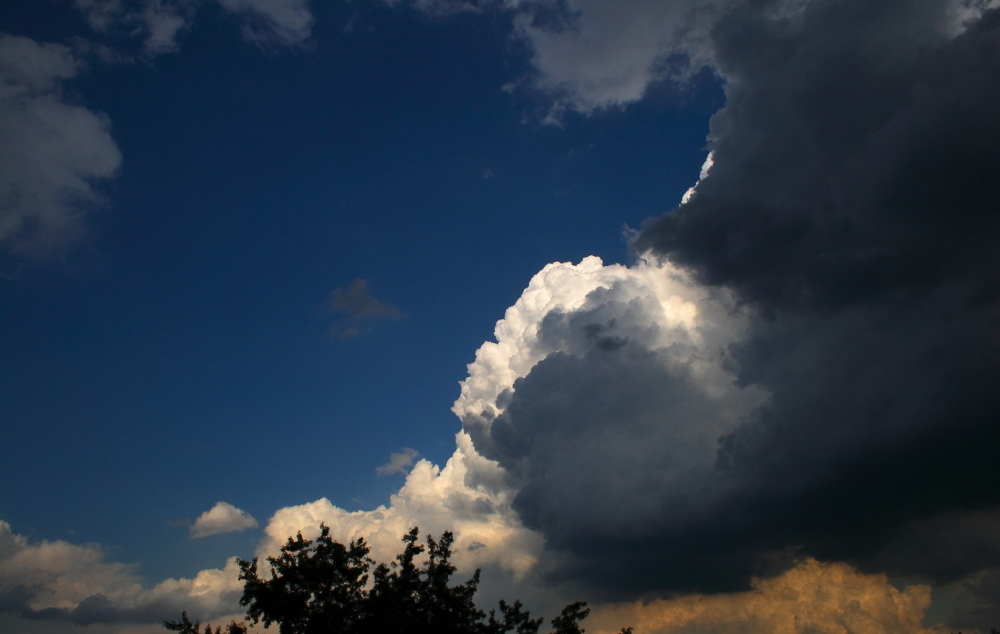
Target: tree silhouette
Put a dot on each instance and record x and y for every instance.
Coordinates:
(322, 587)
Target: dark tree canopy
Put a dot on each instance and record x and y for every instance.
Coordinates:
(322, 587)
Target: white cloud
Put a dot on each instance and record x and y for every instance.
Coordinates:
(680, 310)
(222, 518)
(487, 531)
(59, 580)
(705, 168)
(399, 462)
(51, 152)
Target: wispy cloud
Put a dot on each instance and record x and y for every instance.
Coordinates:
(398, 462)
(357, 307)
(162, 22)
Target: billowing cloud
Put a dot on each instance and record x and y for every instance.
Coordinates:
(52, 152)
(851, 211)
(58, 581)
(457, 497)
(399, 462)
(851, 204)
(222, 518)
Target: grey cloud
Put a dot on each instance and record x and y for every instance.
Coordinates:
(852, 203)
(399, 462)
(610, 443)
(161, 22)
(358, 306)
(592, 54)
(52, 152)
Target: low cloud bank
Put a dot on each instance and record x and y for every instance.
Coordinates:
(54, 581)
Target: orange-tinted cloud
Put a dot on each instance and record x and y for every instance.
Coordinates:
(811, 598)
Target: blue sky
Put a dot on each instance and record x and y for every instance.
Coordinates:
(182, 353)
(249, 257)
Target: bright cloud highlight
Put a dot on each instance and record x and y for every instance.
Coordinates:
(222, 518)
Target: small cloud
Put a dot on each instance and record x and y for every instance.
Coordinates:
(222, 518)
(398, 462)
(474, 546)
(357, 305)
(487, 174)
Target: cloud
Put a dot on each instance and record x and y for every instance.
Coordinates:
(58, 581)
(161, 22)
(851, 206)
(811, 598)
(287, 22)
(358, 306)
(591, 54)
(466, 497)
(837, 395)
(398, 462)
(599, 55)
(222, 518)
(51, 152)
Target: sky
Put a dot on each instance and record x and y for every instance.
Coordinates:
(688, 309)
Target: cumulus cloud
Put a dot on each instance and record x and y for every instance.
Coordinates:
(58, 581)
(850, 211)
(456, 497)
(52, 152)
(222, 518)
(399, 462)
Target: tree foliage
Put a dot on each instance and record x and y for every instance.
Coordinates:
(324, 587)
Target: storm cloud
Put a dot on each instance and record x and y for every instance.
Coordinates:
(851, 209)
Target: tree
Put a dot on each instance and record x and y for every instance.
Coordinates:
(322, 587)
(184, 626)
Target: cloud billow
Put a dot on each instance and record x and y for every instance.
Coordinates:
(852, 206)
(851, 209)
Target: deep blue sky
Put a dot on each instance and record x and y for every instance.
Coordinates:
(182, 354)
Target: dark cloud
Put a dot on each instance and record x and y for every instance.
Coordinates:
(853, 202)
(358, 306)
(853, 206)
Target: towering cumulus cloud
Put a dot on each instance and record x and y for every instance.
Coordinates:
(851, 210)
(603, 400)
